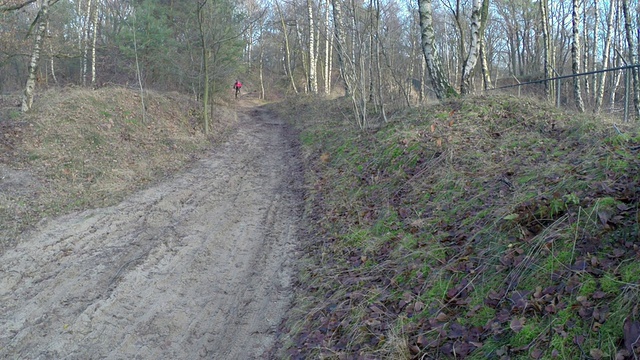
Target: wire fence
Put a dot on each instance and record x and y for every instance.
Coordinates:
(617, 97)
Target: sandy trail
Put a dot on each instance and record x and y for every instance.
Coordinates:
(198, 266)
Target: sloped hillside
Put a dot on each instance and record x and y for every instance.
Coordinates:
(480, 228)
(80, 148)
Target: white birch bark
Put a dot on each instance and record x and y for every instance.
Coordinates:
(616, 60)
(575, 56)
(313, 61)
(594, 54)
(584, 51)
(327, 53)
(439, 81)
(85, 43)
(27, 98)
(474, 49)
(51, 63)
(261, 64)
(94, 27)
(605, 57)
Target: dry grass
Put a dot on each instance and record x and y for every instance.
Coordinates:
(80, 148)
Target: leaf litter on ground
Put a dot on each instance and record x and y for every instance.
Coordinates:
(486, 227)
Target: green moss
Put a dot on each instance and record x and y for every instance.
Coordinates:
(630, 272)
(589, 286)
(609, 285)
(606, 202)
(530, 331)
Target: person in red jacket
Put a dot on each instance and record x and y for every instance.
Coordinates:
(237, 86)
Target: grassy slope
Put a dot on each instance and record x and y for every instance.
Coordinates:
(81, 148)
(482, 228)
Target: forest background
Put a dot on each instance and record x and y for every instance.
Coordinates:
(374, 51)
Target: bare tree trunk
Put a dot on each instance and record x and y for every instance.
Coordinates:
(286, 47)
(474, 49)
(575, 56)
(205, 64)
(605, 57)
(51, 64)
(486, 74)
(594, 54)
(304, 56)
(439, 81)
(138, 71)
(262, 92)
(462, 56)
(94, 26)
(313, 61)
(27, 99)
(546, 48)
(371, 56)
(345, 63)
(585, 55)
(377, 56)
(633, 58)
(327, 53)
(330, 67)
(423, 73)
(616, 60)
(85, 43)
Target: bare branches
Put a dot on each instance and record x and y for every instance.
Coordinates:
(12, 5)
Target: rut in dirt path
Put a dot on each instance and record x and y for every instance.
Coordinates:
(198, 266)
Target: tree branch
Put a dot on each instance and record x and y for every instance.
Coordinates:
(5, 7)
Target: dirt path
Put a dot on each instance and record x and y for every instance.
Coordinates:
(198, 266)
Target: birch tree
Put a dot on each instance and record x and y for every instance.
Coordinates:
(440, 83)
(94, 27)
(85, 42)
(40, 23)
(471, 60)
(313, 60)
(575, 55)
(632, 54)
(486, 74)
(327, 50)
(605, 57)
(547, 50)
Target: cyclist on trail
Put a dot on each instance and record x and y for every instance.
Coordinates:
(237, 86)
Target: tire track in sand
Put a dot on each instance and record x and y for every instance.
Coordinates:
(198, 266)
